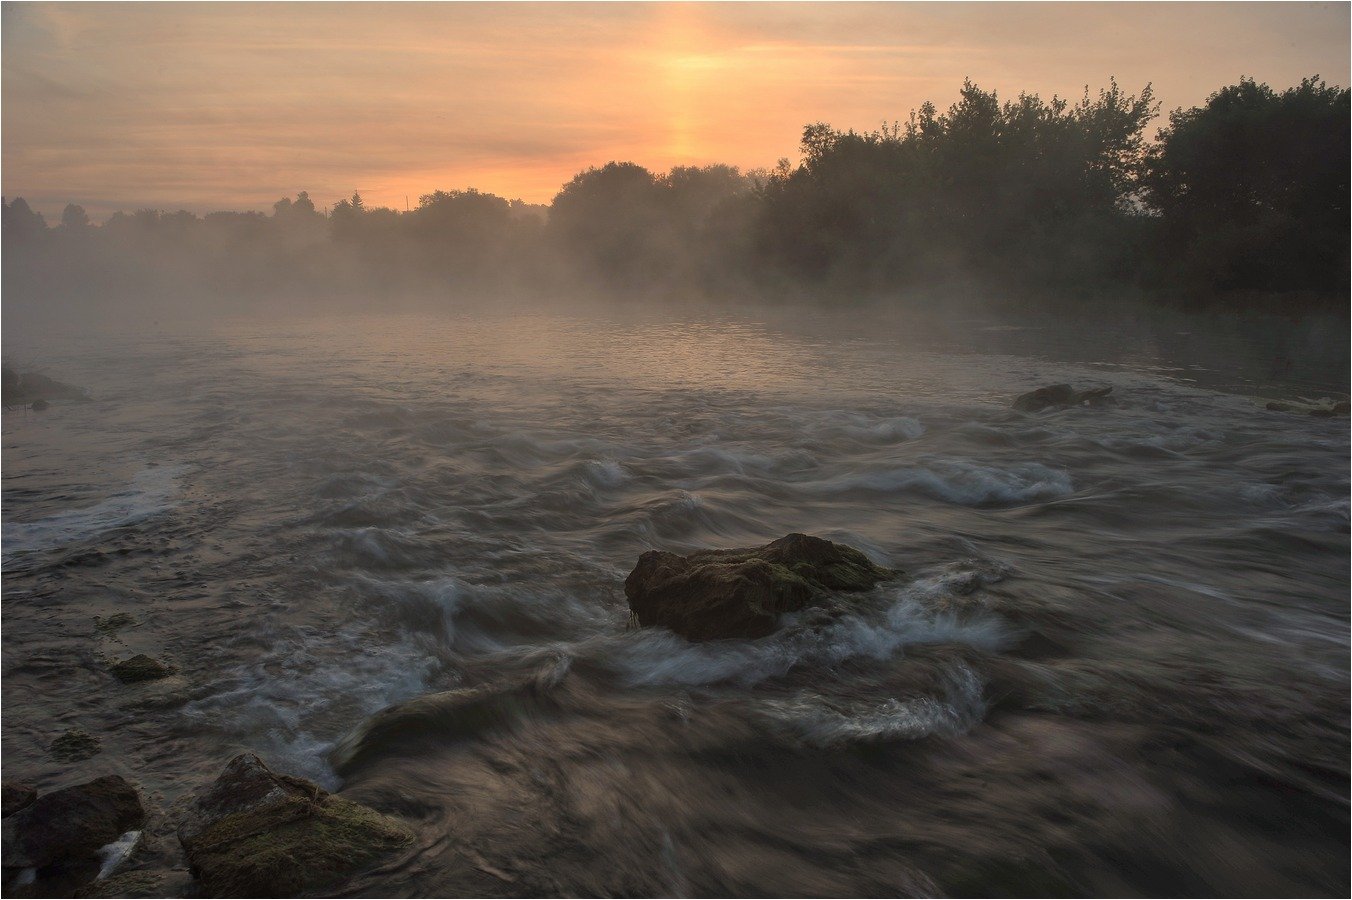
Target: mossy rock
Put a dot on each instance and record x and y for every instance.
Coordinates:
(741, 593)
(141, 668)
(75, 745)
(256, 833)
(141, 883)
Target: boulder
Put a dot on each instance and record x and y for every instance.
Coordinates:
(69, 826)
(141, 668)
(715, 594)
(1058, 396)
(257, 833)
(14, 797)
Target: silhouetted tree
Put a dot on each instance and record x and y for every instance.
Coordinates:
(74, 218)
(1253, 187)
(20, 223)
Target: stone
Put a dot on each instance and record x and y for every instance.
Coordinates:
(69, 826)
(716, 594)
(1058, 396)
(14, 797)
(257, 833)
(75, 745)
(141, 668)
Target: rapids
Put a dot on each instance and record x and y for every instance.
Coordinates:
(1118, 663)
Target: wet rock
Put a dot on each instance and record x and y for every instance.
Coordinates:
(258, 833)
(1320, 412)
(1058, 396)
(1342, 408)
(39, 406)
(141, 668)
(66, 829)
(1274, 406)
(75, 745)
(741, 593)
(14, 797)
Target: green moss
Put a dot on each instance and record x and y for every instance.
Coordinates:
(76, 744)
(290, 847)
(141, 668)
(129, 884)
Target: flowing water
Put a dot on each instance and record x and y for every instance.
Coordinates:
(1117, 662)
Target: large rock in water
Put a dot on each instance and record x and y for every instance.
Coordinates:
(1058, 395)
(68, 826)
(741, 593)
(257, 833)
(14, 797)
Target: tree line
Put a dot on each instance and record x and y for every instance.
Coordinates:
(1241, 198)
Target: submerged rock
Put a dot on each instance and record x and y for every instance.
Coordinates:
(258, 833)
(112, 623)
(434, 720)
(75, 744)
(1058, 395)
(14, 797)
(141, 668)
(68, 827)
(741, 593)
(39, 406)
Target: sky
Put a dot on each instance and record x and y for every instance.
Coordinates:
(207, 106)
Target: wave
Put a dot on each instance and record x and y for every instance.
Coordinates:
(295, 719)
(909, 618)
(826, 722)
(958, 481)
(152, 491)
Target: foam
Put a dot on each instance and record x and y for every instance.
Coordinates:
(151, 492)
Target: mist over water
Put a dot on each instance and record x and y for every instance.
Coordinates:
(1118, 662)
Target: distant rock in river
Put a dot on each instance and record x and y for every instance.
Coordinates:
(1058, 395)
(741, 593)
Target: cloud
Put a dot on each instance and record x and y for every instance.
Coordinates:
(209, 106)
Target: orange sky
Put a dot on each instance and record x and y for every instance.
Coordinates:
(229, 106)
